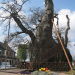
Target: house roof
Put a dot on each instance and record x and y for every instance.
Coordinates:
(5, 46)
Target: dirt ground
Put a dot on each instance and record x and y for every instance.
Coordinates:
(10, 72)
(17, 72)
(3, 73)
(62, 74)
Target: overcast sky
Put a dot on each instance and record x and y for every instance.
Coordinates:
(63, 7)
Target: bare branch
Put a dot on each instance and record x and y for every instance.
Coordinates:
(23, 2)
(9, 28)
(2, 21)
(5, 28)
(37, 15)
(26, 23)
(5, 9)
(66, 32)
(15, 34)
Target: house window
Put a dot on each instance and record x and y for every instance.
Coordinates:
(0, 52)
(5, 52)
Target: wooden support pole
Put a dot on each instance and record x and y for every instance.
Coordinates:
(69, 63)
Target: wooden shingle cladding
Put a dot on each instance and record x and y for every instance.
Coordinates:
(7, 54)
(7, 51)
(2, 49)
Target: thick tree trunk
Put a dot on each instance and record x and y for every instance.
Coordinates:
(49, 50)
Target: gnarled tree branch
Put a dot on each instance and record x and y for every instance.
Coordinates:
(15, 34)
(66, 32)
(25, 30)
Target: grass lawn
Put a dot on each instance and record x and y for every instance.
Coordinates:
(72, 72)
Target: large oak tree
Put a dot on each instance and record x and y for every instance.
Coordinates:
(43, 47)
